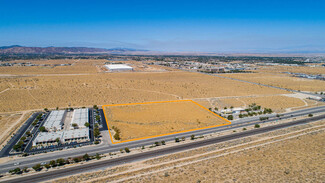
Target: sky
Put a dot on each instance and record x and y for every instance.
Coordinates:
(167, 25)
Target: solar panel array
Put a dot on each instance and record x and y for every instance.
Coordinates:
(54, 120)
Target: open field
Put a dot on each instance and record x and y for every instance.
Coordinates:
(294, 69)
(9, 123)
(153, 119)
(37, 92)
(281, 80)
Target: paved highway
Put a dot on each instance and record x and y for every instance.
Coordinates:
(105, 148)
(154, 153)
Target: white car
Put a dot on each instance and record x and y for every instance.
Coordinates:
(17, 163)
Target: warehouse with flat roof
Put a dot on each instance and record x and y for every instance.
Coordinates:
(79, 117)
(54, 121)
(118, 67)
(50, 138)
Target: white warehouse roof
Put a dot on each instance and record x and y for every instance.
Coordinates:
(118, 67)
(47, 137)
(54, 120)
(80, 117)
(77, 133)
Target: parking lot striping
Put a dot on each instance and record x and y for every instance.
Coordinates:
(143, 103)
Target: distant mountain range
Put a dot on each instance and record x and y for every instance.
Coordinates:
(17, 49)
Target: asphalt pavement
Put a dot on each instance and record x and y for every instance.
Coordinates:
(154, 153)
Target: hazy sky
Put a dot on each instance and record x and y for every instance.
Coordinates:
(210, 26)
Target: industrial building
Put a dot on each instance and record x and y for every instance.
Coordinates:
(79, 117)
(118, 67)
(54, 122)
(47, 137)
(77, 135)
(51, 138)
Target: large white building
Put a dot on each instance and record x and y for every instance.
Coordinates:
(118, 67)
(54, 121)
(80, 117)
(48, 138)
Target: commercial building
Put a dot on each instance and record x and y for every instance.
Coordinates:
(54, 121)
(118, 67)
(77, 135)
(52, 138)
(48, 138)
(79, 118)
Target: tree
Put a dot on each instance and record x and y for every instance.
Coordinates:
(95, 107)
(98, 156)
(46, 109)
(257, 126)
(25, 169)
(57, 108)
(310, 115)
(127, 150)
(97, 117)
(244, 129)
(240, 116)
(15, 171)
(75, 125)
(210, 109)
(230, 117)
(47, 166)
(216, 108)
(192, 137)
(52, 163)
(157, 143)
(225, 108)
(42, 129)
(34, 123)
(57, 140)
(60, 161)
(163, 142)
(28, 133)
(97, 133)
(87, 124)
(37, 167)
(231, 107)
(86, 157)
(23, 138)
(176, 139)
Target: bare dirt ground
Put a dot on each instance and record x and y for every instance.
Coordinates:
(51, 91)
(143, 120)
(293, 154)
(281, 80)
(294, 69)
(9, 123)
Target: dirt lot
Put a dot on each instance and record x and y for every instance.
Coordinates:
(25, 93)
(143, 120)
(10, 122)
(281, 80)
(295, 69)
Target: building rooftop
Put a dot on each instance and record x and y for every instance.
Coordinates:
(77, 133)
(80, 117)
(118, 66)
(54, 120)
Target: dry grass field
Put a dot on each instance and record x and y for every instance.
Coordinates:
(151, 119)
(281, 80)
(37, 92)
(77, 67)
(294, 69)
(10, 122)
